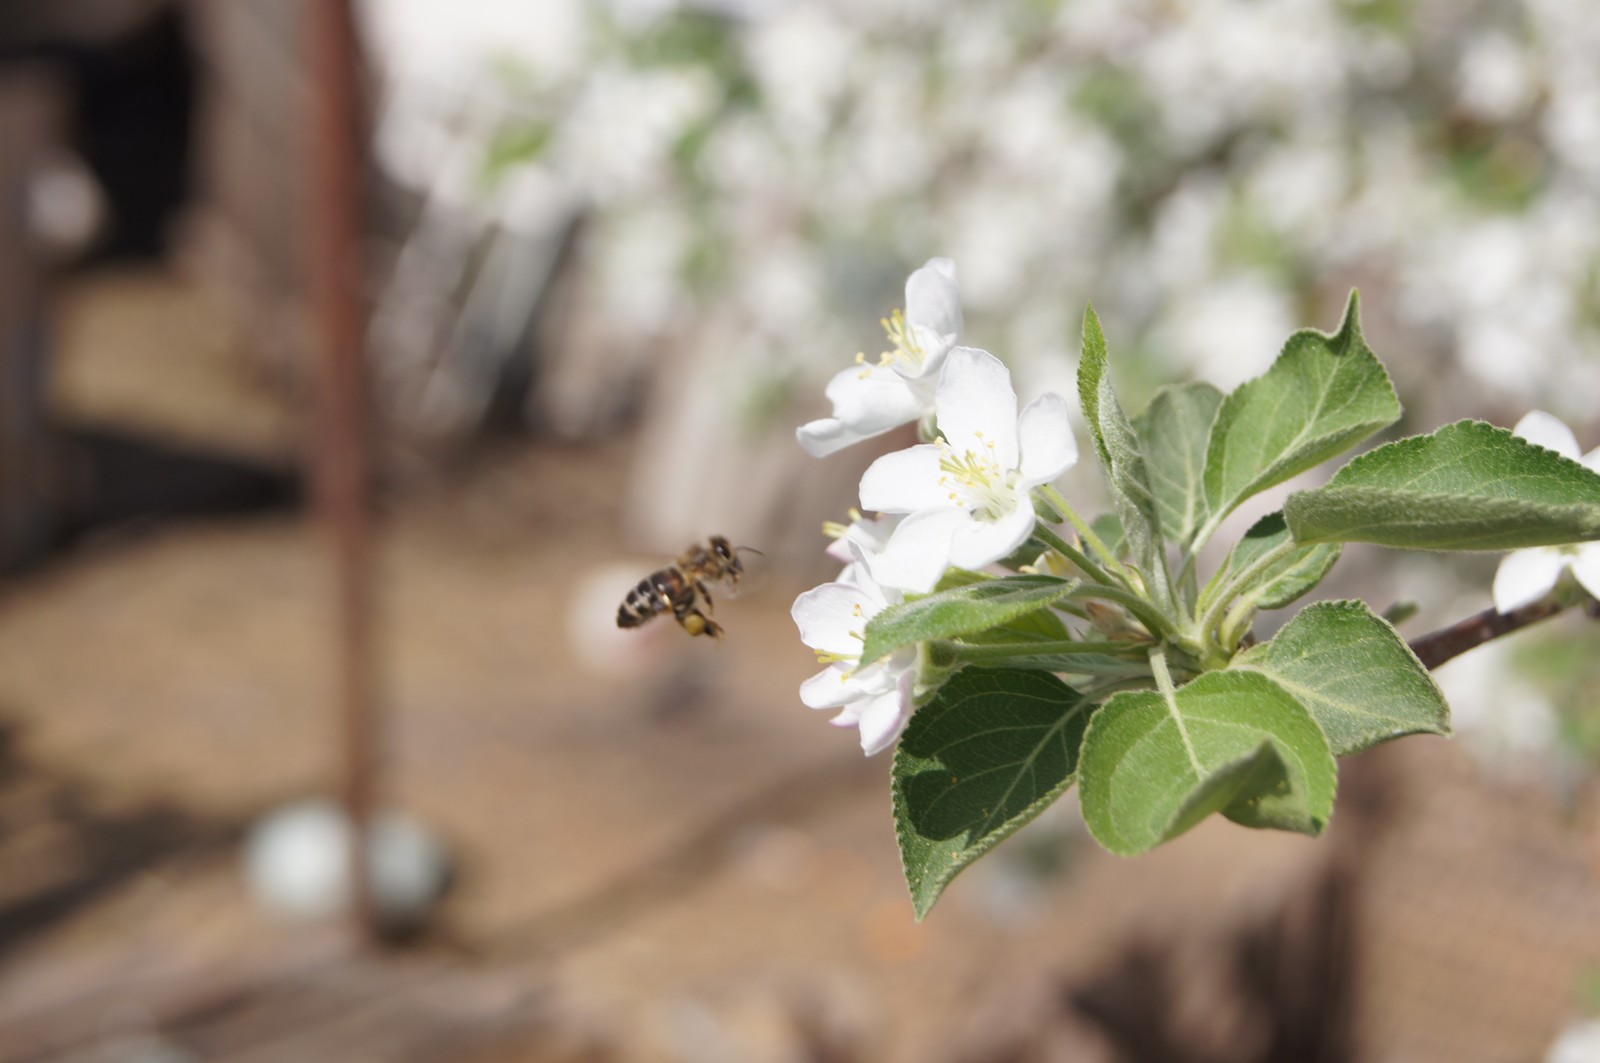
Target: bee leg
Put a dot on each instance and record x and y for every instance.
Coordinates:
(695, 622)
(700, 586)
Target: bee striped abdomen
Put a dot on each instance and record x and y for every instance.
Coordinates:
(652, 597)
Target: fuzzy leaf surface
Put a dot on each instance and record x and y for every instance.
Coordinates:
(1121, 457)
(990, 752)
(1288, 578)
(1355, 673)
(1174, 430)
(1466, 486)
(961, 610)
(1233, 742)
(1324, 394)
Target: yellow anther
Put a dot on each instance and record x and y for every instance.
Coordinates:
(906, 347)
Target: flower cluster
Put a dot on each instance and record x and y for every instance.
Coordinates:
(1120, 658)
(963, 499)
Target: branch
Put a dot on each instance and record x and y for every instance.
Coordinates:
(1437, 647)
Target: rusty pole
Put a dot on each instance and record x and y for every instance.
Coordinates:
(342, 461)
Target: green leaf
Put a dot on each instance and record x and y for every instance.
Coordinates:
(1233, 742)
(1039, 625)
(1467, 486)
(1108, 526)
(1355, 673)
(1323, 395)
(961, 610)
(1173, 431)
(990, 752)
(1290, 576)
(1120, 456)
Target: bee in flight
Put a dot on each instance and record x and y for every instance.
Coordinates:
(680, 588)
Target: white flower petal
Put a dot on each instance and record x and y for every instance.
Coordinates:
(1044, 434)
(832, 617)
(870, 533)
(927, 374)
(826, 435)
(868, 400)
(1586, 566)
(977, 406)
(1547, 430)
(1526, 575)
(983, 542)
(919, 550)
(905, 481)
(885, 716)
(933, 306)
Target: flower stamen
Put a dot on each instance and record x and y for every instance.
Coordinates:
(977, 481)
(906, 348)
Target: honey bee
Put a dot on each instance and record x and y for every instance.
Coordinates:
(680, 588)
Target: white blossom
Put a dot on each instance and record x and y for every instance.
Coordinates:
(874, 397)
(878, 698)
(967, 497)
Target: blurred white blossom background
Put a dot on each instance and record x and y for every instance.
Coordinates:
(1211, 173)
(757, 177)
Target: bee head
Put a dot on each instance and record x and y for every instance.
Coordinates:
(727, 553)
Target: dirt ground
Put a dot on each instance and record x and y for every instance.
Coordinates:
(662, 855)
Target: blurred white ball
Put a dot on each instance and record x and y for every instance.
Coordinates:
(297, 863)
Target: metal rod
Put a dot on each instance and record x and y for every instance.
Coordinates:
(343, 459)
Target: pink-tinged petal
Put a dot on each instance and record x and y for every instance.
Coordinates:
(828, 689)
(1044, 434)
(868, 401)
(885, 716)
(1586, 567)
(905, 481)
(849, 716)
(841, 683)
(919, 550)
(1525, 576)
(832, 618)
(977, 406)
(1548, 430)
(983, 542)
